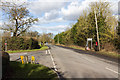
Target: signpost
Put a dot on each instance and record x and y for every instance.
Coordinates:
(88, 39)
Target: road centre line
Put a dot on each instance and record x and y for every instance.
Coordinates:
(46, 51)
(49, 51)
(111, 70)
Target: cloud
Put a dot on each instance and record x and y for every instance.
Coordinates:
(58, 28)
(39, 8)
(53, 14)
(74, 10)
(45, 21)
(50, 17)
(52, 11)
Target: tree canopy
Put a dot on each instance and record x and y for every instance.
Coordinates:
(85, 26)
(19, 19)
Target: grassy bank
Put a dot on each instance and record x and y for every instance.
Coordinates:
(19, 70)
(103, 52)
(19, 51)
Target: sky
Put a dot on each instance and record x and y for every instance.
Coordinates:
(56, 16)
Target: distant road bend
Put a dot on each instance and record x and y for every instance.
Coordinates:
(72, 64)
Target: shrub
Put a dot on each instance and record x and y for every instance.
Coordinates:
(117, 43)
(33, 44)
(18, 43)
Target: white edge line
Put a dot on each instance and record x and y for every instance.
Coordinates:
(54, 65)
(111, 70)
(57, 74)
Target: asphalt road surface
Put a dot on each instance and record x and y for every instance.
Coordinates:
(72, 64)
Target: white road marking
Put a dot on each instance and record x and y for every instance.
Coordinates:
(18, 54)
(111, 70)
(49, 51)
(52, 60)
(46, 51)
(54, 65)
(88, 59)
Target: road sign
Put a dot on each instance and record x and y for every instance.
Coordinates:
(89, 39)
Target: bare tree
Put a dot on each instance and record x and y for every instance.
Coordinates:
(19, 19)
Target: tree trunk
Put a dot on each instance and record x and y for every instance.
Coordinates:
(15, 32)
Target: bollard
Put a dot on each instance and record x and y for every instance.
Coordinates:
(26, 59)
(32, 59)
(22, 57)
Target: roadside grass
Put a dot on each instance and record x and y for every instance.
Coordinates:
(72, 46)
(102, 52)
(76, 47)
(19, 51)
(19, 70)
(109, 53)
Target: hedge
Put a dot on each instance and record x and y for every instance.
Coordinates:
(18, 43)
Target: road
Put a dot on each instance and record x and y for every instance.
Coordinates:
(72, 64)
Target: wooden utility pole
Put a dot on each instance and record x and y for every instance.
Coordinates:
(97, 30)
(58, 38)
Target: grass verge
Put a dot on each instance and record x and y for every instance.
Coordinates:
(102, 52)
(19, 51)
(26, 71)
(109, 53)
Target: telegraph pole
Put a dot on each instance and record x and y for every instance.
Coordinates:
(97, 30)
(58, 38)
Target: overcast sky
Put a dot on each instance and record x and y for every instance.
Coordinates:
(58, 15)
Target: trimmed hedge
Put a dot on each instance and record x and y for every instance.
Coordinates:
(18, 43)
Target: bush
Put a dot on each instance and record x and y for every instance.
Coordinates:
(117, 43)
(33, 44)
(17, 43)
